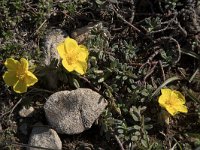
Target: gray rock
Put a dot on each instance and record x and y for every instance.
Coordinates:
(45, 138)
(198, 148)
(75, 111)
(51, 57)
(51, 41)
(26, 112)
(84, 33)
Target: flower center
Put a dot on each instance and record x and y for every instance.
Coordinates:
(20, 75)
(21, 72)
(169, 103)
(71, 59)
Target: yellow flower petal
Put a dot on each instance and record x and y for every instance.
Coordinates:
(24, 64)
(83, 53)
(81, 67)
(70, 45)
(171, 110)
(61, 50)
(166, 92)
(162, 100)
(11, 64)
(179, 96)
(30, 79)
(182, 108)
(10, 78)
(20, 86)
(67, 66)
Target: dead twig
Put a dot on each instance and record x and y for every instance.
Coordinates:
(150, 72)
(141, 64)
(150, 59)
(90, 84)
(125, 21)
(119, 142)
(38, 29)
(194, 74)
(162, 70)
(132, 11)
(11, 111)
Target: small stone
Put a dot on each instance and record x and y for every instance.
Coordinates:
(45, 138)
(75, 111)
(84, 33)
(26, 112)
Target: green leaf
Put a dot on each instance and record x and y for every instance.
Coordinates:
(124, 78)
(75, 83)
(190, 53)
(99, 2)
(93, 61)
(137, 133)
(129, 90)
(137, 127)
(145, 92)
(134, 138)
(148, 127)
(133, 87)
(144, 143)
(147, 119)
(99, 72)
(120, 131)
(101, 80)
(163, 54)
(135, 117)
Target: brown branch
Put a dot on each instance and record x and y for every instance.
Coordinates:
(151, 71)
(19, 101)
(90, 84)
(125, 21)
(119, 142)
(163, 73)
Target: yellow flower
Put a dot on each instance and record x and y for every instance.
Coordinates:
(173, 101)
(18, 75)
(74, 56)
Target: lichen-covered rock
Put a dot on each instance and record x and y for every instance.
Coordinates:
(75, 111)
(51, 41)
(84, 33)
(51, 57)
(45, 138)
